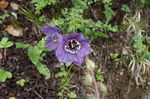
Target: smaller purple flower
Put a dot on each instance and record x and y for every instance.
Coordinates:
(54, 36)
(73, 48)
(50, 29)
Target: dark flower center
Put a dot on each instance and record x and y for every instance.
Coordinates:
(72, 46)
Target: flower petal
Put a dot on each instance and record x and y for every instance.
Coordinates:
(77, 36)
(67, 57)
(64, 56)
(49, 29)
(79, 61)
(85, 49)
(52, 44)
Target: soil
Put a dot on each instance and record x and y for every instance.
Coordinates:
(116, 77)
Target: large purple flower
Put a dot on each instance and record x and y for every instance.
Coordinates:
(54, 36)
(73, 48)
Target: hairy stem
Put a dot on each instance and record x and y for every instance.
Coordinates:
(96, 86)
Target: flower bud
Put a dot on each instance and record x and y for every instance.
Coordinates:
(90, 64)
(88, 79)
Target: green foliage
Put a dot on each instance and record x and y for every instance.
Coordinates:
(36, 19)
(22, 82)
(65, 75)
(4, 16)
(4, 75)
(36, 56)
(61, 73)
(72, 95)
(4, 43)
(108, 12)
(21, 45)
(125, 8)
(114, 55)
(91, 97)
(99, 75)
(141, 49)
(145, 2)
(72, 20)
(40, 4)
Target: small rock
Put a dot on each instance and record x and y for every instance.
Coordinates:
(14, 6)
(125, 51)
(121, 73)
(14, 31)
(14, 14)
(3, 4)
(12, 98)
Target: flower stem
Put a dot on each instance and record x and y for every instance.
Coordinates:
(96, 86)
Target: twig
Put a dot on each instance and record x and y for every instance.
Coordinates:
(4, 55)
(37, 94)
(95, 17)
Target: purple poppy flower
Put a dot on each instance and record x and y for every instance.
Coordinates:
(54, 36)
(73, 48)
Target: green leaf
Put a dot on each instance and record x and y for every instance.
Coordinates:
(43, 69)
(114, 55)
(21, 82)
(61, 73)
(41, 44)
(21, 45)
(4, 40)
(4, 16)
(34, 54)
(4, 43)
(100, 35)
(91, 97)
(72, 95)
(125, 8)
(40, 4)
(4, 75)
(99, 75)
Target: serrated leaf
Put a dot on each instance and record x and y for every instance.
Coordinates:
(4, 75)
(21, 45)
(34, 54)
(43, 69)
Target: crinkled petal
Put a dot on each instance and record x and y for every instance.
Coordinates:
(77, 36)
(79, 61)
(49, 29)
(85, 49)
(51, 44)
(64, 56)
(77, 58)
